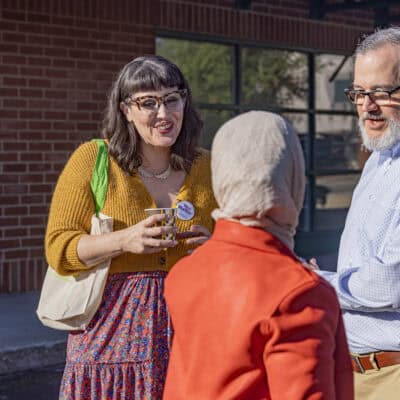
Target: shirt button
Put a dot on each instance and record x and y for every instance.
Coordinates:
(162, 260)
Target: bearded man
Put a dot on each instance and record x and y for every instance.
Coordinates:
(367, 280)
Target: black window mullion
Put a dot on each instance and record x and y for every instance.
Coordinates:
(309, 208)
(237, 76)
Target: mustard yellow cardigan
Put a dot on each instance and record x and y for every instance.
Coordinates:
(72, 207)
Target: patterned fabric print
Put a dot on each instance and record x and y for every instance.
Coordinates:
(123, 354)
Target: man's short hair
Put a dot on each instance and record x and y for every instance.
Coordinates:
(378, 39)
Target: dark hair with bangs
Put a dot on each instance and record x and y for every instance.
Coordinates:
(149, 73)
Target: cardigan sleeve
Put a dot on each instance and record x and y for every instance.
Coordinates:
(71, 209)
(306, 355)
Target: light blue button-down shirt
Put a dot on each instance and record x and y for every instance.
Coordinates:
(367, 280)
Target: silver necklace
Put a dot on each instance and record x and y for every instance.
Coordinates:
(162, 175)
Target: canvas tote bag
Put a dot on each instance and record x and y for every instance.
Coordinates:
(70, 302)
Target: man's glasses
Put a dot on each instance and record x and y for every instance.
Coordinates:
(173, 101)
(380, 97)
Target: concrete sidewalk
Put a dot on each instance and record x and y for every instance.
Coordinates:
(24, 342)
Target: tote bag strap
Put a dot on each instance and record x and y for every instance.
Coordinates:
(99, 180)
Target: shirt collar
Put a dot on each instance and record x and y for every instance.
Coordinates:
(396, 150)
(393, 152)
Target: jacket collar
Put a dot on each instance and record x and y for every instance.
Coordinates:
(247, 236)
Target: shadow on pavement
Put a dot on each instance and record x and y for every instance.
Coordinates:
(39, 384)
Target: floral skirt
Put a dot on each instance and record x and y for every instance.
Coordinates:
(123, 354)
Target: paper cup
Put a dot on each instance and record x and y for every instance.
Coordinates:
(169, 221)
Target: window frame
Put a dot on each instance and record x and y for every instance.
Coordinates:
(312, 171)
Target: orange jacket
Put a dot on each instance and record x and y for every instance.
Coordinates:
(251, 323)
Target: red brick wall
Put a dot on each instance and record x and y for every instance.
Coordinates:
(57, 61)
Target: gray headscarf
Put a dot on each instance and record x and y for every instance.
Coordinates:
(258, 173)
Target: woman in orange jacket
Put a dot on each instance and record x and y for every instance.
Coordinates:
(251, 321)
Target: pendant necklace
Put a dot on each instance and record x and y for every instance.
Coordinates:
(162, 175)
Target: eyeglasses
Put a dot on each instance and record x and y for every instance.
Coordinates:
(380, 97)
(173, 101)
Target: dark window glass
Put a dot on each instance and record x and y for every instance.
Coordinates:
(333, 74)
(206, 66)
(213, 119)
(274, 78)
(335, 191)
(299, 122)
(337, 143)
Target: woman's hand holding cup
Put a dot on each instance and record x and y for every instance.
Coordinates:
(151, 235)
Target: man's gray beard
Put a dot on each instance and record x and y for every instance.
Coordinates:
(384, 142)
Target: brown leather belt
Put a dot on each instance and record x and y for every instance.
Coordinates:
(364, 362)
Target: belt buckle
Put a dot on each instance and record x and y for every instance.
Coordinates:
(358, 362)
(372, 360)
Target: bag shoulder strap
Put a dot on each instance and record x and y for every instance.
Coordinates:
(99, 181)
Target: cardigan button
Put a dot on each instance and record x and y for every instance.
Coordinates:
(162, 260)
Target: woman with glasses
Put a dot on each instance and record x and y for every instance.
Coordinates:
(152, 132)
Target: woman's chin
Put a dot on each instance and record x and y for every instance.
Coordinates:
(163, 142)
(160, 140)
